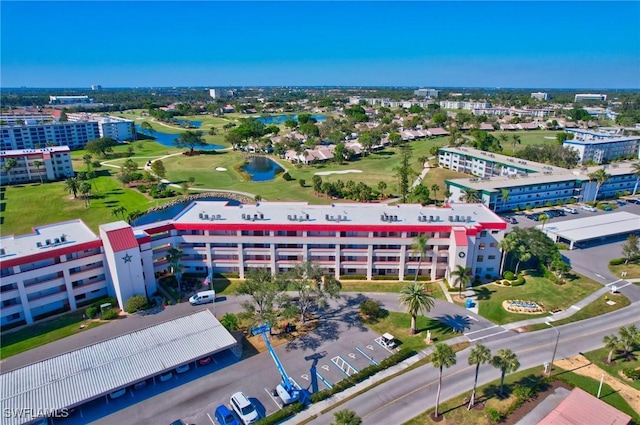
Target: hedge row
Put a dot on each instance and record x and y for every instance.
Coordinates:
(282, 414)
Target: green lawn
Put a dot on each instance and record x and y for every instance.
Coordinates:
(594, 309)
(599, 357)
(531, 137)
(538, 289)
(36, 204)
(399, 325)
(43, 333)
(387, 286)
(632, 269)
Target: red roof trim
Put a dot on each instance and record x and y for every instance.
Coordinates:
(315, 227)
(49, 253)
(122, 239)
(460, 237)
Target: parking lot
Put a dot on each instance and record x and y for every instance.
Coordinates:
(340, 346)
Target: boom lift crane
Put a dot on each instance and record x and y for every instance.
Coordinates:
(286, 390)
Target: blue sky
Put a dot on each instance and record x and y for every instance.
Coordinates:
(472, 44)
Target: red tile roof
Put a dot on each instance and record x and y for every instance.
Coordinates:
(122, 239)
(461, 237)
(581, 408)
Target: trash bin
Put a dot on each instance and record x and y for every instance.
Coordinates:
(469, 303)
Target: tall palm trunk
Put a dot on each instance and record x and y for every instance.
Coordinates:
(418, 269)
(438, 394)
(473, 393)
(413, 324)
(502, 381)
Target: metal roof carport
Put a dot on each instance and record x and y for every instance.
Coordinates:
(598, 226)
(85, 374)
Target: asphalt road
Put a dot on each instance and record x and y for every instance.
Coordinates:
(400, 399)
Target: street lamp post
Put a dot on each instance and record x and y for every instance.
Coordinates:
(553, 357)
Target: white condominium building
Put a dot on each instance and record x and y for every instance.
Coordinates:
(62, 265)
(116, 128)
(599, 147)
(51, 163)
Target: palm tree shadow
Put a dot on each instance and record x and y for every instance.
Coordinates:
(483, 293)
(455, 323)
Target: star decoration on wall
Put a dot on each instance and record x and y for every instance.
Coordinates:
(127, 258)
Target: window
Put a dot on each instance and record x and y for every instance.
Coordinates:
(480, 258)
(490, 269)
(481, 245)
(483, 233)
(494, 232)
(492, 257)
(493, 244)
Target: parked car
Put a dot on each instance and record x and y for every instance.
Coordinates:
(182, 369)
(244, 408)
(205, 361)
(589, 208)
(634, 201)
(607, 208)
(621, 202)
(224, 416)
(178, 422)
(118, 393)
(166, 376)
(512, 220)
(140, 384)
(570, 210)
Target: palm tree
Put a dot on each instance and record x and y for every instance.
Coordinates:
(119, 212)
(443, 356)
(462, 276)
(415, 300)
(543, 218)
(8, 166)
(173, 258)
(611, 342)
(133, 215)
(85, 190)
(507, 362)
(447, 194)
(435, 188)
(72, 185)
(505, 196)
(478, 355)
(382, 186)
(515, 140)
(636, 172)
(600, 176)
(87, 160)
(346, 417)
(503, 138)
(419, 246)
(628, 336)
(38, 164)
(470, 196)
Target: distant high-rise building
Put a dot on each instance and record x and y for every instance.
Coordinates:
(590, 96)
(432, 93)
(220, 93)
(96, 87)
(69, 100)
(540, 96)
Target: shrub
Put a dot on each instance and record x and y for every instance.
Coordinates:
(110, 314)
(280, 415)
(508, 275)
(143, 188)
(230, 322)
(287, 176)
(493, 414)
(320, 395)
(91, 312)
(519, 281)
(370, 308)
(523, 393)
(136, 303)
(302, 182)
(506, 282)
(616, 261)
(632, 373)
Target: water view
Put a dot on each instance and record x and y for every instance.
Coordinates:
(167, 139)
(261, 168)
(279, 119)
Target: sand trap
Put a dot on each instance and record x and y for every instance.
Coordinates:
(326, 173)
(221, 169)
(549, 137)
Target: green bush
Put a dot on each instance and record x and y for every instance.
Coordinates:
(616, 261)
(287, 176)
(631, 373)
(518, 282)
(523, 393)
(136, 303)
(320, 395)
(506, 282)
(493, 415)
(110, 314)
(230, 322)
(508, 275)
(353, 277)
(143, 188)
(282, 414)
(370, 308)
(91, 312)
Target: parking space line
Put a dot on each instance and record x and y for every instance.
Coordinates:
(614, 282)
(480, 330)
(273, 398)
(324, 381)
(344, 365)
(363, 353)
(211, 419)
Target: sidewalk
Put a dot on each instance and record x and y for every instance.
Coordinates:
(316, 408)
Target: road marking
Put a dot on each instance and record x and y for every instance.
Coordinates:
(537, 347)
(325, 367)
(481, 330)
(211, 419)
(614, 282)
(370, 347)
(272, 398)
(473, 318)
(600, 276)
(353, 356)
(487, 336)
(305, 376)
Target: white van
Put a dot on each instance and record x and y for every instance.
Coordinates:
(203, 297)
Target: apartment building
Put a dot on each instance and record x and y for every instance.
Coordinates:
(116, 128)
(72, 134)
(50, 163)
(431, 93)
(468, 105)
(590, 96)
(505, 183)
(599, 147)
(69, 100)
(65, 265)
(540, 96)
(26, 117)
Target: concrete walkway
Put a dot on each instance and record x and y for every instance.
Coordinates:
(421, 177)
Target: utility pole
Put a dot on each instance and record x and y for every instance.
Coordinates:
(553, 357)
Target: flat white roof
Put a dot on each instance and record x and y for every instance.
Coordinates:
(96, 370)
(335, 214)
(600, 225)
(510, 161)
(67, 233)
(18, 152)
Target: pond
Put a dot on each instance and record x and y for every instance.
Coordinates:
(279, 119)
(172, 211)
(189, 123)
(167, 139)
(261, 168)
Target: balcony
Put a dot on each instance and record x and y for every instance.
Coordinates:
(256, 251)
(224, 249)
(44, 285)
(85, 274)
(88, 287)
(11, 309)
(39, 302)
